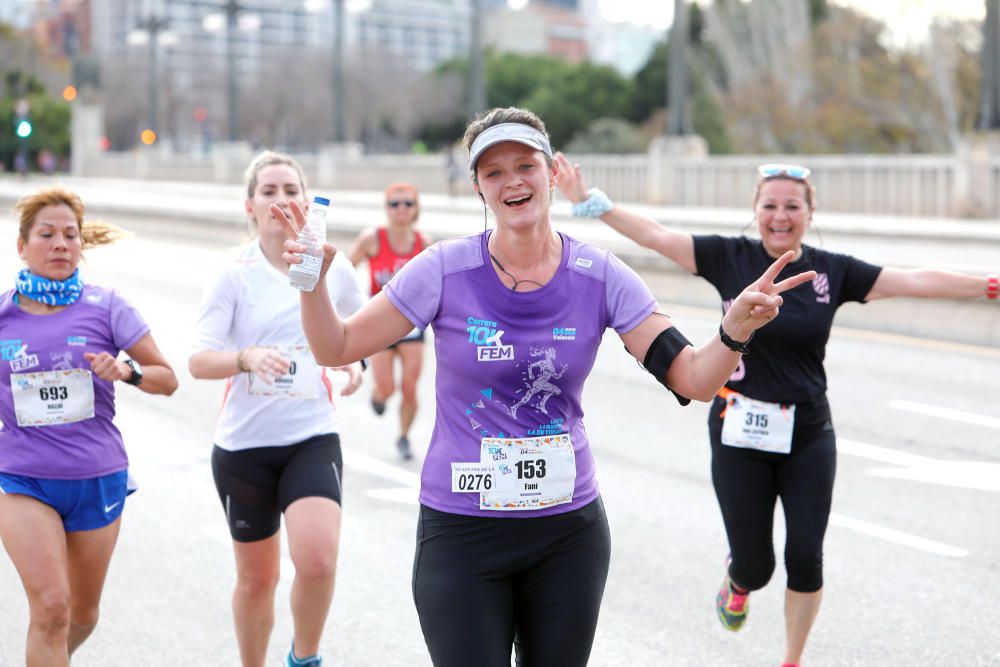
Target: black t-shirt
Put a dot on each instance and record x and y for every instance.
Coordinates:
(785, 363)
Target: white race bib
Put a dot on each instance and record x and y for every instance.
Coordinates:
(520, 473)
(760, 425)
(52, 397)
(301, 381)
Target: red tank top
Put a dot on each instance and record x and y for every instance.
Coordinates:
(384, 265)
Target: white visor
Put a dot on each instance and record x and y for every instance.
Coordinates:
(522, 134)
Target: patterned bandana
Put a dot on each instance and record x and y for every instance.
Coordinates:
(50, 292)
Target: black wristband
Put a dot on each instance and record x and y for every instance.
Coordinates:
(735, 346)
(136, 378)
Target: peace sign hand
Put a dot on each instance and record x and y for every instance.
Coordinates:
(758, 304)
(292, 247)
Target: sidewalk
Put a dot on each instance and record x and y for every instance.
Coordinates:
(971, 246)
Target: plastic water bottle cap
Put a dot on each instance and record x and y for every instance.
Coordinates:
(321, 200)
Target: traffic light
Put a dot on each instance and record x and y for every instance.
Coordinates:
(22, 123)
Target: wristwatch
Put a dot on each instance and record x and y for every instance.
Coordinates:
(136, 377)
(734, 345)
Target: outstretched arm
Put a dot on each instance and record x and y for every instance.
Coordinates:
(698, 373)
(926, 283)
(673, 244)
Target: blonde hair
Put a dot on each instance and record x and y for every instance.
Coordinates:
(809, 187)
(92, 234)
(269, 159)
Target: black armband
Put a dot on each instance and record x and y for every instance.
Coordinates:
(661, 354)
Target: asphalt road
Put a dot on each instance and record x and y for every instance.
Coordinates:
(912, 572)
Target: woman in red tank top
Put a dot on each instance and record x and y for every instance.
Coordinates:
(387, 249)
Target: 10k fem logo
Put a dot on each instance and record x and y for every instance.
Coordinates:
(486, 337)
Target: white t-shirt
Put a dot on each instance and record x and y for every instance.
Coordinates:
(251, 303)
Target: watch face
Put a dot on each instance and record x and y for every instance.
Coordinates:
(136, 377)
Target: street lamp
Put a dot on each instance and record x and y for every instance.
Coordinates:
(152, 31)
(477, 79)
(989, 113)
(233, 16)
(337, 9)
(678, 119)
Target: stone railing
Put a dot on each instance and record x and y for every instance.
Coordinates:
(962, 185)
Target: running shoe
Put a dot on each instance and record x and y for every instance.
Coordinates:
(731, 606)
(403, 447)
(378, 407)
(311, 661)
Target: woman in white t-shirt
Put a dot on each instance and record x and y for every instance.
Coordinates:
(277, 448)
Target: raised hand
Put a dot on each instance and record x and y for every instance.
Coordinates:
(266, 363)
(759, 302)
(107, 367)
(569, 180)
(292, 247)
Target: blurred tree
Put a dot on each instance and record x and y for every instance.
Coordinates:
(863, 97)
(50, 121)
(706, 116)
(568, 96)
(609, 135)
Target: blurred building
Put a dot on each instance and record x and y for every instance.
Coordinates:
(62, 27)
(421, 32)
(566, 4)
(539, 28)
(624, 46)
(18, 13)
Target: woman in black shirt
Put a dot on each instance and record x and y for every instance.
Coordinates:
(770, 427)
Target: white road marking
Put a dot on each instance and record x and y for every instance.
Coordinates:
(882, 454)
(406, 495)
(897, 537)
(373, 466)
(978, 475)
(945, 413)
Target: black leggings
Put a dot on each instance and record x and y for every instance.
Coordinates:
(748, 482)
(482, 585)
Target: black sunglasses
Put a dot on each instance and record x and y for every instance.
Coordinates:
(396, 203)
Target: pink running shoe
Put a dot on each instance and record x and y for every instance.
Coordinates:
(731, 606)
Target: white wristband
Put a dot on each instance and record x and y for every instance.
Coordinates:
(594, 206)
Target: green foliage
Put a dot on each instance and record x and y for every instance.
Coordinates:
(650, 94)
(567, 96)
(608, 135)
(818, 11)
(50, 119)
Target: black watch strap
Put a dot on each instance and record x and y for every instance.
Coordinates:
(734, 345)
(136, 377)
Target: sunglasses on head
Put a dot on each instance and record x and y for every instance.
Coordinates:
(789, 170)
(396, 203)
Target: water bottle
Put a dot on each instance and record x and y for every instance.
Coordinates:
(312, 235)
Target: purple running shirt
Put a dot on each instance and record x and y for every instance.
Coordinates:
(99, 321)
(511, 365)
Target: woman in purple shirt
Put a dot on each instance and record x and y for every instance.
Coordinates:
(513, 545)
(63, 467)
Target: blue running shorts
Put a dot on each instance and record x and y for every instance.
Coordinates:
(83, 504)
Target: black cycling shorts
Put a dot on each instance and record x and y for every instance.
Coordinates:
(257, 485)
